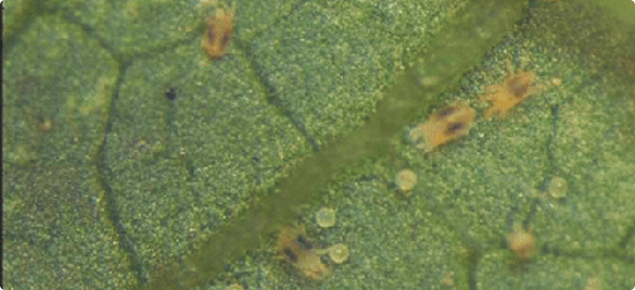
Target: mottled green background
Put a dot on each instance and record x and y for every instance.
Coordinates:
(107, 184)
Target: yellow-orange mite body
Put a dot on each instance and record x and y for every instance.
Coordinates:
(443, 126)
(298, 251)
(219, 32)
(514, 89)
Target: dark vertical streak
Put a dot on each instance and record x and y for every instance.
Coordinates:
(23, 19)
(103, 173)
(274, 100)
(553, 166)
(553, 142)
(475, 256)
(630, 234)
(111, 211)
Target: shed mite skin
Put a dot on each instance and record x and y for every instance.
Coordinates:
(443, 126)
(217, 37)
(298, 250)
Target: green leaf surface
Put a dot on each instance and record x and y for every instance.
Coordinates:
(57, 230)
(110, 184)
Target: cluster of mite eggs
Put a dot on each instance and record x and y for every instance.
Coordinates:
(454, 121)
(443, 126)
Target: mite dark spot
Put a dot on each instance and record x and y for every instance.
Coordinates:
(40, 118)
(218, 34)
(445, 112)
(453, 127)
(211, 33)
(304, 243)
(171, 94)
(325, 260)
(291, 255)
(517, 87)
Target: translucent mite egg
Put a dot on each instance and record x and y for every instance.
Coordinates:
(339, 253)
(522, 243)
(406, 179)
(558, 187)
(325, 217)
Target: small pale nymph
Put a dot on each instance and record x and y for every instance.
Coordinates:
(522, 243)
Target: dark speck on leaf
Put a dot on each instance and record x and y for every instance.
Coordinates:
(519, 88)
(291, 255)
(304, 243)
(171, 94)
(226, 39)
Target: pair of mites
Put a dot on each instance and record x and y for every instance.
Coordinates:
(455, 121)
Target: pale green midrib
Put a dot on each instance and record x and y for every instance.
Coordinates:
(462, 44)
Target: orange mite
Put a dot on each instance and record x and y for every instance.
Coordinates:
(522, 243)
(299, 251)
(514, 89)
(219, 33)
(443, 126)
